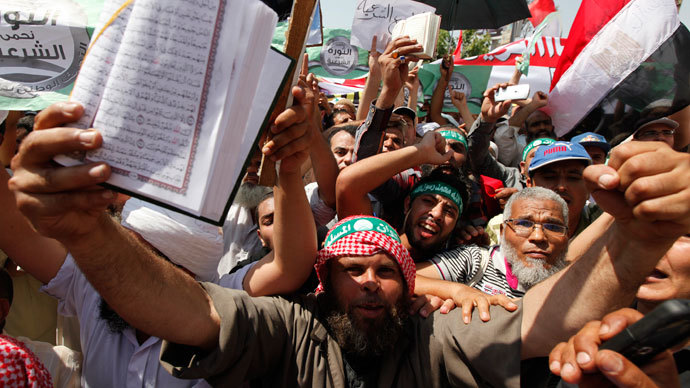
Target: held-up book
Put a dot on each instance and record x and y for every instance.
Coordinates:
(180, 91)
(424, 27)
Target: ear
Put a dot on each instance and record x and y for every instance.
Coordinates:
(529, 182)
(407, 203)
(263, 243)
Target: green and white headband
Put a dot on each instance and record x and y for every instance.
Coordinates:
(439, 188)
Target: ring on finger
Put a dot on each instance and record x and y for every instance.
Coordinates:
(395, 54)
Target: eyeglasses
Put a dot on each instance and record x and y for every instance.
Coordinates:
(524, 228)
(649, 135)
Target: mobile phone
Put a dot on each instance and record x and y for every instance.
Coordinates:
(512, 92)
(662, 328)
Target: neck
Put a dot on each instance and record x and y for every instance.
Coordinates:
(414, 253)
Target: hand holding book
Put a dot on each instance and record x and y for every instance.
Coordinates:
(394, 68)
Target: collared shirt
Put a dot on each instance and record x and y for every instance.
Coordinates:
(462, 263)
(110, 360)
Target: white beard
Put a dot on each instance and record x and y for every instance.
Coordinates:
(534, 271)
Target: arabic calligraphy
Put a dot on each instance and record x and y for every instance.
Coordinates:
(14, 18)
(144, 78)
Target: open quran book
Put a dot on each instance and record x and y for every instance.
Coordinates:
(180, 91)
(424, 27)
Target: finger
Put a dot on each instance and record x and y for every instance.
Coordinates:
(398, 42)
(586, 344)
(294, 114)
(555, 358)
(58, 114)
(465, 236)
(570, 372)
(645, 164)
(447, 306)
(41, 146)
(623, 152)
(407, 51)
(483, 308)
(292, 140)
(52, 179)
(655, 187)
(373, 44)
(467, 307)
(624, 373)
(613, 323)
(417, 304)
(433, 304)
(503, 301)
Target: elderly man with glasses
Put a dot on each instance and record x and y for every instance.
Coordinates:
(534, 243)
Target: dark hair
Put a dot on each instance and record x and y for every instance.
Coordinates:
(347, 127)
(26, 122)
(447, 126)
(452, 177)
(255, 210)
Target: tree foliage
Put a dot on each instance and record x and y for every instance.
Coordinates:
(445, 44)
(475, 43)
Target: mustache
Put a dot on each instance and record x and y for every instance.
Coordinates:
(369, 300)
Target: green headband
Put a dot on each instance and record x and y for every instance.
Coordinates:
(452, 135)
(360, 224)
(536, 143)
(439, 188)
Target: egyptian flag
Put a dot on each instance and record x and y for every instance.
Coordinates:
(635, 51)
(540, 9)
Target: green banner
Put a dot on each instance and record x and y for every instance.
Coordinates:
(336, 58)
(471, 80)
(42, 44)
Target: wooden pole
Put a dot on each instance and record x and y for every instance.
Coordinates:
(300, 21)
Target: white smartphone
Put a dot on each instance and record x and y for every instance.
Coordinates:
(512, 92)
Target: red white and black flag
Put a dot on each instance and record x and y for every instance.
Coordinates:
(635, 51)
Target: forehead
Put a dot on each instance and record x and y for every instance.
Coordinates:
(533, 209)
(566, 166)
(537, 116)
(380, 259)
(655, 127)
(342, 139)
(265, 207)
(394, 131)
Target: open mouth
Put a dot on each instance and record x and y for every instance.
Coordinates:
(427, 229)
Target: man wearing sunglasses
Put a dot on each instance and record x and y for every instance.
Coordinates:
(534, 243)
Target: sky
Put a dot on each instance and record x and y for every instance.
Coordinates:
(339, 13)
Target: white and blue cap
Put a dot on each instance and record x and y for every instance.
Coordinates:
(592, 139)
(558, 152)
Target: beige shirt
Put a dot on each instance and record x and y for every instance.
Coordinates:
(285, 344)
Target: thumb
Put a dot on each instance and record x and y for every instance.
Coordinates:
(602, 182)
(621, 372)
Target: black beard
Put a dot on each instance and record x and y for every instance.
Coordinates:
(115, 323)
(370, 338)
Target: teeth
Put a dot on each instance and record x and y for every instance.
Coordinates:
(429, 228)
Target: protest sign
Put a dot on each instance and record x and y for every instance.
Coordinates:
(377, 17)
(42, 44)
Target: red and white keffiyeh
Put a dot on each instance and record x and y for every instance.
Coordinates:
(366, 236)
(19, 367)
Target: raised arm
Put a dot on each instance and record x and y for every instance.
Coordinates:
(67, 204)
(645, 193)
(459, 101)
(358, 179)
(539, 101)
(288, 266)
(371, 87)
(436, 105)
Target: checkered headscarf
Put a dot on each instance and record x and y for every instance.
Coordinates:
(19, 367)
(364, 236)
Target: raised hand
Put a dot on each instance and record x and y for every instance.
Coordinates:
(433, 147)
(394, 68)
(492, 110)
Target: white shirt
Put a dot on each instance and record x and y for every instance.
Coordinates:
(239, 238)
(110, 360)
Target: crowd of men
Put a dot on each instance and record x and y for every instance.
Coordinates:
(394, 250)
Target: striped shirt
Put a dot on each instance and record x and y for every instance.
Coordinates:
(462, 263)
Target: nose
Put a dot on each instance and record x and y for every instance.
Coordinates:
(369, 281)
(561, 184)
(537, 233)
(437, 211)
(347, 159)
(387, 144)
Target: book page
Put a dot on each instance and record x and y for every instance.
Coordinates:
(152, 110)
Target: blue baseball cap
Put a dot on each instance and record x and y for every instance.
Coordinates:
(558, 152)
(592, 139)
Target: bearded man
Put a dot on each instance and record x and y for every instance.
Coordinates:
(534, 243)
